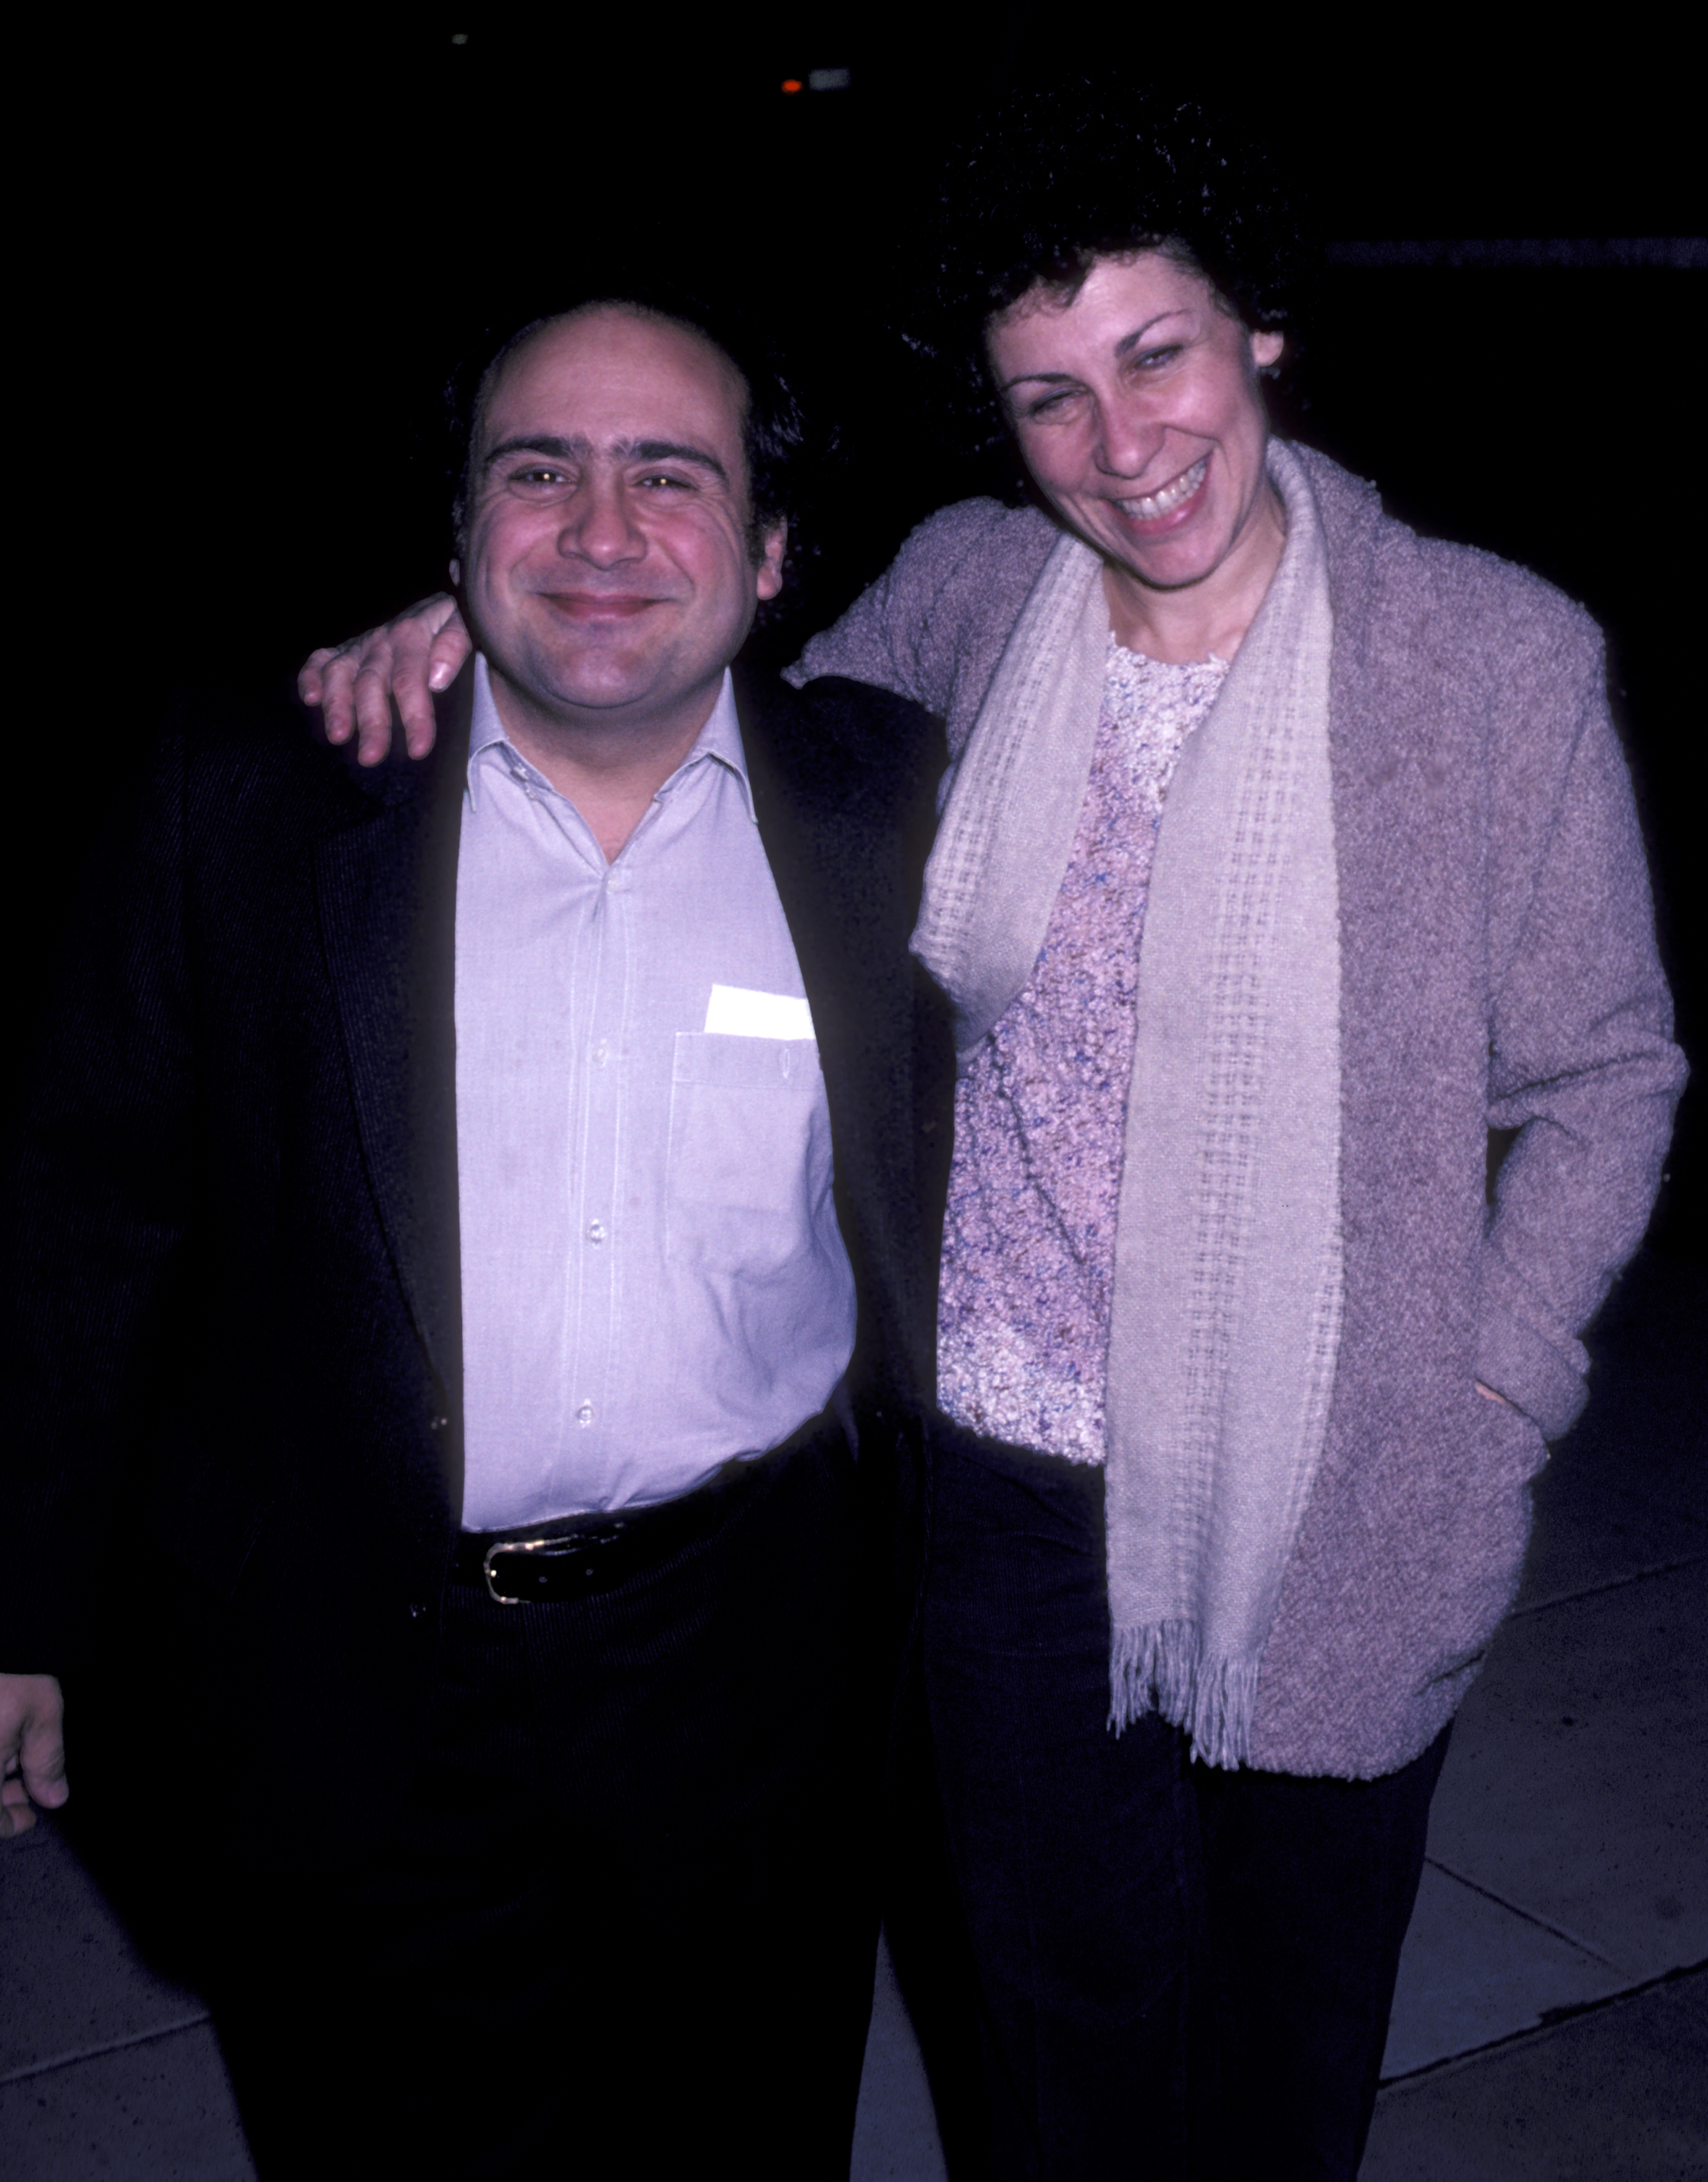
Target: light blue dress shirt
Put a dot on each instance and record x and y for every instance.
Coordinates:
(653, 1279)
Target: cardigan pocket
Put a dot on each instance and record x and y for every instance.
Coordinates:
(1516, 1439)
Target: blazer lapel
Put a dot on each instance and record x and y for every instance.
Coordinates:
(386, 887)
(836, 854)
(805, 847)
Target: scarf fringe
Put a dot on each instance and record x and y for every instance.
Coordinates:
(1161, 1668)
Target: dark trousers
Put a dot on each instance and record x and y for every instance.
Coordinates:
(1177, 1971)
(623, 1922)
(1309, 1887)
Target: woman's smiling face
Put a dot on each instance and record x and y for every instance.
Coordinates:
(1137, 408)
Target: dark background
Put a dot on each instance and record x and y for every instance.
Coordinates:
(248, 259)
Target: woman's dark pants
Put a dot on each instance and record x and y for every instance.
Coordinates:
(1179, 1971)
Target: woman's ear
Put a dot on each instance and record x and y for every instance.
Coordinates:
(1266, 347)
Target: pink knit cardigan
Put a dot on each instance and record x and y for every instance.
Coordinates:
(1499, 969)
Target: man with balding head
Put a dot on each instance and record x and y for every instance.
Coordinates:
(473, 1217)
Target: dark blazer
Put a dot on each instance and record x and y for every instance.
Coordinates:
(236, 1373)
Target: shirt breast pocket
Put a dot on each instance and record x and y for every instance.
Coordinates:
(750, 1151)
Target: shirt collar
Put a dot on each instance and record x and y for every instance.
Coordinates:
(719, 738)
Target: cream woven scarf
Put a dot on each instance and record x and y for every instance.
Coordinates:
(1228, 1260)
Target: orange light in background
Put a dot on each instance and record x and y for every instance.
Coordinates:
(793, 83)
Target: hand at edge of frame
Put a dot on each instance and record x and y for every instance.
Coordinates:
(32, 1750)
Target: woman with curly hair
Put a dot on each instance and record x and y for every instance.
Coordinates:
(1283, 856)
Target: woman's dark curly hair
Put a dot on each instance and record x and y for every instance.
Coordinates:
(776, 441)
(1054, 179)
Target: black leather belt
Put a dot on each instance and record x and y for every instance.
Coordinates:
(581, 1555)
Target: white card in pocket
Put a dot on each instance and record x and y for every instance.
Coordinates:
(732, 1012)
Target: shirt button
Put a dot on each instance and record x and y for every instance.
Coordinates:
(584, 1415)
(596, 1231)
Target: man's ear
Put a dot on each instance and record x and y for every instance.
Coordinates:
(768, 577)
(456, 573)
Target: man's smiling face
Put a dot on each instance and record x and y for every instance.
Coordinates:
(606, 565)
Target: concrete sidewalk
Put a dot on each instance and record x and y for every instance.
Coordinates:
(1552, 2019)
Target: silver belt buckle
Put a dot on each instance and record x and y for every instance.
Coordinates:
(568, 1546)
(507, 1545)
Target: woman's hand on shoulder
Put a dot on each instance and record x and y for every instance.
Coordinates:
(407, 658)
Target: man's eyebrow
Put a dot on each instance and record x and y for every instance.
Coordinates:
(626, 451)
(529, 443)
(1124, 346)
(672, 450)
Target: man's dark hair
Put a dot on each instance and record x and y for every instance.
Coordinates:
(1054, 178)
(775, 433)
